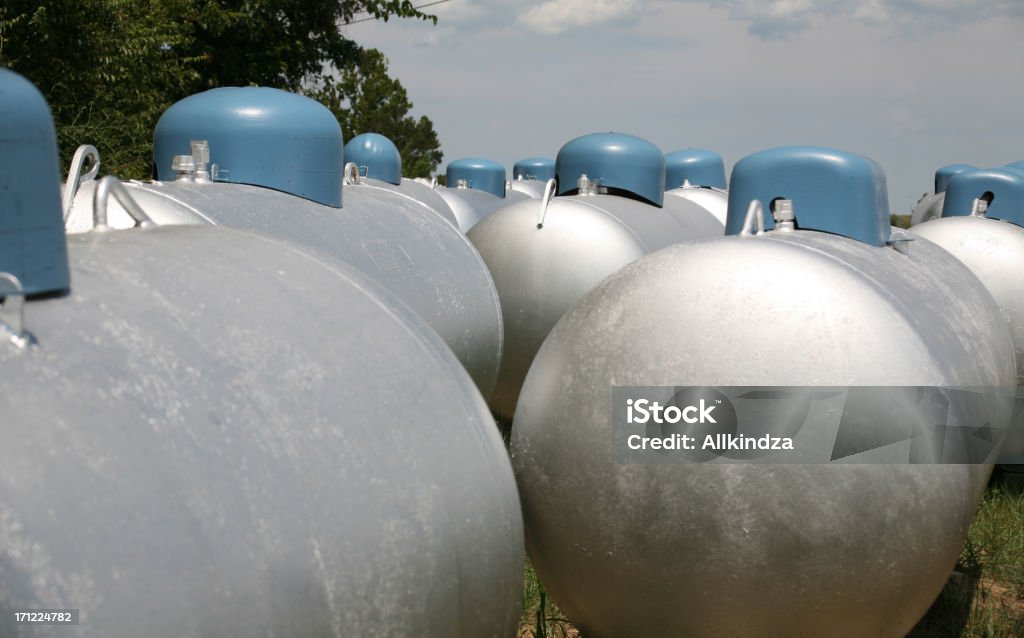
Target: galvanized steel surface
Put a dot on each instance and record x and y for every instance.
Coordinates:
(752, 550)
(471, 205)
(713, 200)
(541, 272)
(532, 188)
(928, 208)
(419, 257)
(994, 251)
(219, 435)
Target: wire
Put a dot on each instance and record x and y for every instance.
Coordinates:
(422, 6)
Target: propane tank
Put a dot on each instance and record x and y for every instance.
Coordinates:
(530, 175)
(982, 225)
(281, 174)
(379, 165)
(476, 188)
(207, 432)
(930, 207)
(699, 176)
(846, 535)
(544, 255)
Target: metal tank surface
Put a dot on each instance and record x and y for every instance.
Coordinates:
(981, 225)
(470, 205)
(213, 433)
(379, 164)
(544, 255)
(724, 548)
(418, 256)
(930, 207)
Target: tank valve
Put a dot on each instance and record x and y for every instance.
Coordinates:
(585, 186)
(782, 213)
(183, 166)
(201, 158)
(462, 183)
(980, 207)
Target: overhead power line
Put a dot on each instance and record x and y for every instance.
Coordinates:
(422, 6)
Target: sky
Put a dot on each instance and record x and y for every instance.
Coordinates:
(912, 84)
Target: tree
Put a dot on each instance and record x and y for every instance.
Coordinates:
(366, 100)
(110, 68)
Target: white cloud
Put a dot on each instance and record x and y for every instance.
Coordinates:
(781, 18)
(555, 16)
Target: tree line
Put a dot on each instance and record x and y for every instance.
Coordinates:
(110, 68)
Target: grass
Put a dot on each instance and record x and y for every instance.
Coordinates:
(984, 598)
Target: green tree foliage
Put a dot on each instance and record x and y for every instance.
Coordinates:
(366, 100)
(109, 68)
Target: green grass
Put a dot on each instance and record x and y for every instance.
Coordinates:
(983, 599)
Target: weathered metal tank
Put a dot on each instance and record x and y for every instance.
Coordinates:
(982, 225)
(208, 432)
(544, 255)
(281, 174)
(476, 188)
(930, 207)
(379, 165)
(530, 175)
(698, 175)
(839, 540)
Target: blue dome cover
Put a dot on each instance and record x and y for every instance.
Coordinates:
(32, 244)
(378, 155)
(696, 165)
(832, 191)
(259, 136)
(614, 160)
(538, 168)
(943, 174)
(1019, 164)
(1005, 184)
(481, 174)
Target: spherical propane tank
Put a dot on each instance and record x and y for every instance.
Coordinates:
(981, 225)
(476, 188)
(930, 207)
(841, 542)
(544, 255)
(379, 164)
(418, 256)
(214, 433)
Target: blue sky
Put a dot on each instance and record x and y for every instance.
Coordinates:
(913, 84)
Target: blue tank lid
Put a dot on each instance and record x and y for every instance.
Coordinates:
(832, 191)
(32, 244)
(259, 136)
(1004, 185)
(376, 156)
(943, 174)
(613, 160)
(1019, 165)
(538, 168)
(480, 174)
(698, 166)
